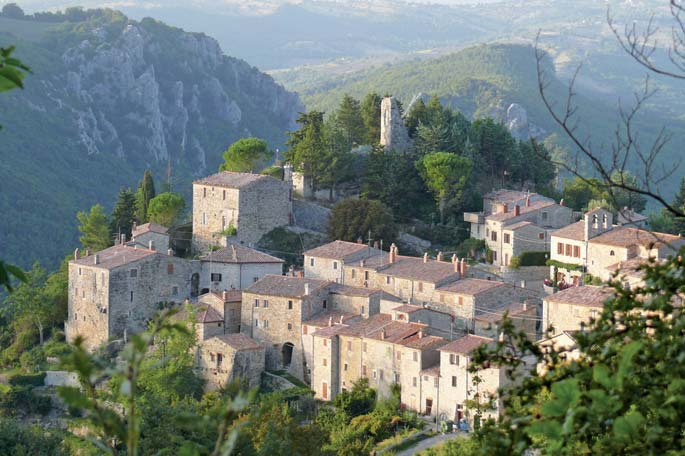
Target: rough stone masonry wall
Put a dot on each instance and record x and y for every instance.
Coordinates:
(410, 366)
(238, 276)
(264, 205)
(325, 350)
(351, 360)
(210, 205)
(310, 216)
(88, 302)
(393, 131)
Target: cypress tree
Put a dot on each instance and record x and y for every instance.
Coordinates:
(145, 192)
(123, 213)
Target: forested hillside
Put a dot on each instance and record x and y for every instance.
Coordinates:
(108, 98)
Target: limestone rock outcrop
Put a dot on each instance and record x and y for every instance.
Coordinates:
(393, 131)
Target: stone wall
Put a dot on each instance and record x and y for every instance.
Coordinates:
(88, 303)
(61, 378)
(246, 365)
(234, 275)
(529, 277)
(214, 209)
(325, 367)
(264, 205)
(567, 317)
(393, 131)
(310, 216)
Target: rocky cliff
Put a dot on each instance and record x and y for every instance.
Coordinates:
(108, 98)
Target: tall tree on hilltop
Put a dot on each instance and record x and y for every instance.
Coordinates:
(339, 156)
(123, 213)
(447, 176)
(94, 228)
(492, 146)
(415, 117)
(145, 192)
(308, 152)
(165, 208)
(247, 155)
(371, 116)
(354, 218)
(349, 120)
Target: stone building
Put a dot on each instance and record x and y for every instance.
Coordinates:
(570, 309)
(494, 202)
(394, 133)
(596, 246)
(236, 267)
(524, 315)
(158, 234)
(118, 290)
(253, 204)
(328, 261)
(225, 358)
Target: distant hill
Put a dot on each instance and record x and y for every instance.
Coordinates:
(483, 81)
(108, 98)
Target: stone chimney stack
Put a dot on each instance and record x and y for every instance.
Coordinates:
(393, 253)
(170, 252)
(462, 267)
(135, 225)
(517, 210)
(455, 262)
(224, 295)
(306, 289)
(505, 208)
(341, 319)
(77, 253)
(123, 238)
(425, 257)
(527, 201)
(151, 244)
(87, 252)
(382, 334)
(330, 321)
(439, 257)
(96, 259)
(421, 334)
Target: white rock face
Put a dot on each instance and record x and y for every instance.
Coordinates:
(393, 131)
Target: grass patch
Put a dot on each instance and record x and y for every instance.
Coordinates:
(397, 438)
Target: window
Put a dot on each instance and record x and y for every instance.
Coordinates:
(255, 279)
(380, 374)
(170, 268)
(325, 343)
(325, 362)
(79, 271)
(541, 235)
(454, 359)
(460, 301)
(134, 273)
(413, 381)
(576, 251)
(420, 286)
(349, 345)
(256, 302)
(290, 326)
(353, 272)
(335, 265)
(396, 377)
(311, 262)
(487, 232)
(415, 356)
(256, 323)
(506, 238)
(364, 347)
(266, 303)
(387, 280)
(290, 305)
(454, 380)
(612, 253)
(219, 359)
(204, 192)
(219, 324)
(494, 255)
(83, 294)
(560, 248)
(131, 296)
(204, 218)
(216, 277)
(435, 382)
(442, 297)
(362, 310)
(174, 291)
(265, 324)
(76, 292)
(304, 329)
(364, 370)
(224, 195)
(325, 303)
(569, 250)
(493, 236)
(544, 215)
(345, 367)
(375, 374)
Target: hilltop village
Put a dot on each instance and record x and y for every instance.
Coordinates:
(355, 310)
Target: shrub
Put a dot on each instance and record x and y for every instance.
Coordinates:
(28, 380)
(515, 262)
(32, 361)
(533, 258)
(22, 398)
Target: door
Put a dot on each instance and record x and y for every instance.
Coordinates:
(460, 412)
(429, 406)
(324, 390)
(506, 259)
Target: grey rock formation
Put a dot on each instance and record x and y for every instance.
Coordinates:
(517, 121)
(393, 131)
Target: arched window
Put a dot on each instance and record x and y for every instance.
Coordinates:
(612, 253)
(287, 354)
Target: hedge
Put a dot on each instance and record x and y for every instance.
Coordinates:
(23, 398)
(28, 380)
(533, 258)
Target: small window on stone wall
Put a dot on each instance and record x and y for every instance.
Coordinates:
(216, 277)
(290, 305)
(134, 273)
(170, 268)
(174, 291)
(290, 326)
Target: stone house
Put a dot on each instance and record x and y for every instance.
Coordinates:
(494, 202)
(572, 308)
(227, 304)
(272, 313)
(118, 290)
(142, 235)
(563, 343)
(440, 323)
(236, 267)
(628, 217)
(328, 261)
(253, 204)
(595, 245)
(524, 316)
(224, 358)
(502, 228)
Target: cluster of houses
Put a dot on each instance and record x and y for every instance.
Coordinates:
(354, 311)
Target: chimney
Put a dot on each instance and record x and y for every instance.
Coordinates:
(341, 319)
(133, 228)
(234, 254)
(525, 305)
(330, 321)
(170, 252)
(517, 210)
(505, 207)
(224, 295)
(306, 289)
(123, 238)
(96, 259)
(455, 262)
(439, 257)
(77, 253)
(527, 201)
(393, 253)
(382, 334)
(135, 246)
(425, 257)
(87, 252)
(375, 244)
(462, 267)
(362, 263)
(561, 202)
(421, 334)
(360, 240)
(151, 244)
(300, 274)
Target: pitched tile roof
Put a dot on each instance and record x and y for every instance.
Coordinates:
(239, 341)
(414, 268)
(322, 318)
(625, 236)
(339, 250)
(471, 287)
(368, 325)
(407, 308)
(424, 342)
(516, 226)
(286, 286)
(239, 254)
(232, 180)
(218, 296)
(466, 344)
(150, 227)
(588, 295)
(395, 331)
(115, 256)
(329, 331)
(347, 290)
(204, 313)
(574, 231)
(511, 214)
(496, 315)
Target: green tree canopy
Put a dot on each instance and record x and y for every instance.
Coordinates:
(247, 155)
(94, 228)
(145, 192)
(579, 192)
(308, 152)
(123, 213)
(165, 208)
(349, 120)
(447, 176)
(13, 11)
(371, 116)
(353, 218)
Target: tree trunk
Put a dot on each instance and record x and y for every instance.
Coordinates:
(40, 330)
(441, 206)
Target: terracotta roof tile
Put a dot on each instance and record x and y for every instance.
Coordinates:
(588, 295)
(516, 226)
(624, 236)
(150, 227)
(425, 342)
(496, 315)
(413, 268)
(239, 254)
(368, 325)
(239, 341)
(395, 331)
(574, 231)
(322, 318)
(471, 287)
(115, 256)
(466, 344)
(511, 214)
(347, 290)
(231, 180)
(286, 286)
(339, 250)
(407, 308)
(329, 331)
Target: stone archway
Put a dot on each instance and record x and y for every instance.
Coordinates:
(287, 354)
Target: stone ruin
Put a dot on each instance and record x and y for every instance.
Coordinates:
(393, 131)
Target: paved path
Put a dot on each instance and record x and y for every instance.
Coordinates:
(427, 443)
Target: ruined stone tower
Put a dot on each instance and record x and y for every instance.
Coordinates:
(393, 132)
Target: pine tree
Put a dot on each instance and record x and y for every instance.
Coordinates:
(308, 152)
(415, 117)
(371, 116)
(349, 120)
(94, 228)
(123, 213)
(145, 192)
